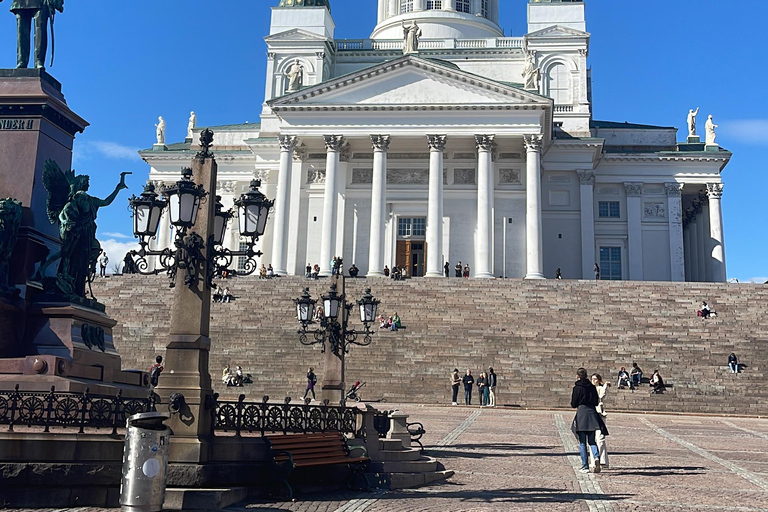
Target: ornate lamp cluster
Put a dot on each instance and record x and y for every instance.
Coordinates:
(333, 326)
(188, 252)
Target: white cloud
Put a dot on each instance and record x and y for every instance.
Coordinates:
(117, 235)
(749, 131)
(87, 149)
(116, 251)
(759, 280)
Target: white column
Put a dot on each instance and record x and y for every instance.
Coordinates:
(687, 246)
(333, 144)
(419, 5)
(715, 191)
(675, 217)
(378, 205)
(449, 5)
(635, 229)
(282, 204)
(533, 229)
(701, 237)
(708, 245)
(485, 185)
(394, 8)
(693, 231)
(435, 207)
(587, 192)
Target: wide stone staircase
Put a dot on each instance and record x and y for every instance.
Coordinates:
(535, 334)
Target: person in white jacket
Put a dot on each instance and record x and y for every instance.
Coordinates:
(602, 445)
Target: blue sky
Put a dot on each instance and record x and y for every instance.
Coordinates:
(124, 63)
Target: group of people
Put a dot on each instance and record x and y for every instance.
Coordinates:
(266, 272)
(634, 378)
(221, 295)
(392, 323)
(458, 270)
(313, 271)
(486, 387)
(398, 273)
(233, 378)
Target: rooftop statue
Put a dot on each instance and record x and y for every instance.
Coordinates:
(191, 125)
(10, 220)
(411, 35)
(692, 121)
(531, 74)
(711, 135)
(70, 206)
(42, 12)
(295, 77)
(160, 130)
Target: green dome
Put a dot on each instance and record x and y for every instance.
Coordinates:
(305, 3)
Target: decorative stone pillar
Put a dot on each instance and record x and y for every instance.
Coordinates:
(485, 185)
(693, 231)
(378, 205)
(702, 238)
(533, 229)
(587, 192)
(635, 229)
(675, 217)
(687, 245)
(333, 144)
(282, 205)
(449, 5)
(435, 207)
(715, 192)
(708, 244)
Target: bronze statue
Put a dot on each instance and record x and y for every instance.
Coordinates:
(70, 206)
(10, 220)
(42, 12)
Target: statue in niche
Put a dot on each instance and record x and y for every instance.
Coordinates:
(160, 130)
(191, 124)
(10, 220)
(692, 122)
(531, 74)
(711, 135)
(74, 210)
(295, 76)
(43, 12)
(411, 35)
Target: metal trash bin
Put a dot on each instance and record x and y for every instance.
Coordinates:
(145, 463)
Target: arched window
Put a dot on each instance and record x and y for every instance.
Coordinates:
(434, 4)
(558, 84)
(463, 5)
(406, 6)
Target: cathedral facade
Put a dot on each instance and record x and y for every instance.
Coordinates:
(438, 140)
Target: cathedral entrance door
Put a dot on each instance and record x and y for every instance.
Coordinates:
(412, 255)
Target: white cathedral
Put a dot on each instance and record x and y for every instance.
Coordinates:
(438, 139)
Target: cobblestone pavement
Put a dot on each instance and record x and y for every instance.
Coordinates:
(512, 460)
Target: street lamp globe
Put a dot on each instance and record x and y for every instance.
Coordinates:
(368, 307)
(220, 221)
(147, 210)
(332, 303)
(184, 198)
(305, 307)
(252, 211)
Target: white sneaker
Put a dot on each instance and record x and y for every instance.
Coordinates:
(454, 403)
(596, 468)
(584, 470)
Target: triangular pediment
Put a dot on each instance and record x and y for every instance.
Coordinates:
(557, 31)
(295, 34)
(410, 80)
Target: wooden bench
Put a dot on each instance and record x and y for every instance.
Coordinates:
(291, 451)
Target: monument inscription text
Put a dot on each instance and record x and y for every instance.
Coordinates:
(16, 124)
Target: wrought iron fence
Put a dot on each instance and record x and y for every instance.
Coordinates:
(69, 410)
(250, 417)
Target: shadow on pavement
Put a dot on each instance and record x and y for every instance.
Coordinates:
(660, 471)
(524, 495)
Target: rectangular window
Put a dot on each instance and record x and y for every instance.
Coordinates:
(406, 6)
(242, 259)
(484, 8)
(411, 227)
(610, 263)
(404, 227)
(434, 4)
(419, 227)
(609, 209)
(462, 5)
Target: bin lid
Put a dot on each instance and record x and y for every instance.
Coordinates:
(148, 420)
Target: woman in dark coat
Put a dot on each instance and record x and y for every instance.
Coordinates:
(585, 399)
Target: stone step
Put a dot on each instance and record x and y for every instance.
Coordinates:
(203, 499)
(407, 454)
(423, 464)
(391, 445)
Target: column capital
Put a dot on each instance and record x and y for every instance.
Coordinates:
(674, 189)
(533, 142)
(484, 142)
(586, 177)
(437, 142)
(333, 142)
(715, 190)
(703, 197)
(287, 142)
(634, 189)
(380, 142)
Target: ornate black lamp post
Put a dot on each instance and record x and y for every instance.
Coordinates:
(333, 325)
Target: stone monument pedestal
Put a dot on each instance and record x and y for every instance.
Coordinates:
(694, 139)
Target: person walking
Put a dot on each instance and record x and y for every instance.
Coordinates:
(481, 388)
(733, 363)
(597, 272)
(468, 380)
(492, 381)
(103, 262)
(455, 381)
(311, 381)
(602, 390)
(584, 399)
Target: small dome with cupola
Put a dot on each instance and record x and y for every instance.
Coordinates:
(439, 19)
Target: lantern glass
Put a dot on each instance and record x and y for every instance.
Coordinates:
(249, 220)
(367, 312)
(331, 307)
(262, 221)
(305, 311)
(195, 206)
(141, 218)
(220, 227)
(154, 219)
(175, 209)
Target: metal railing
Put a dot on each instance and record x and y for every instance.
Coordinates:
(69, 410)
(254, 417)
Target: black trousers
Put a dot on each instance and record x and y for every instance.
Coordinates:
(24, 26)
(455, 393)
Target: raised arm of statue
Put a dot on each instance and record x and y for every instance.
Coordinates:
(111, 197)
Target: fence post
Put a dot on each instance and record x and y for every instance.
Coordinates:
(239, 417)
(83, 409)
(116, 412)
(15, 397)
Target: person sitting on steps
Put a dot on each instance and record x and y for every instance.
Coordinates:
(705, 310)
(623, 380)
(657, 383)
(636, 374)
(733, 363)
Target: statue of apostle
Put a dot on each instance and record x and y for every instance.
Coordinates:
(191, 124)
(295, 76)
(160, 130)
(531, 74)
(711, 135)
(411, 35)
(692, 121)
(41, 11)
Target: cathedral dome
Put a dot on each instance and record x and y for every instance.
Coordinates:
(439, 19)
(305, 3)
